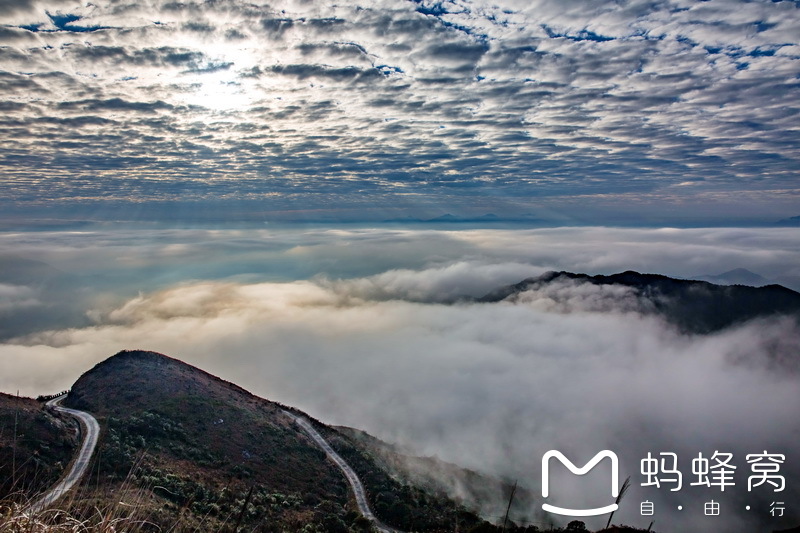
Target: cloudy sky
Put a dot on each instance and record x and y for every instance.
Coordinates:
(631, 112)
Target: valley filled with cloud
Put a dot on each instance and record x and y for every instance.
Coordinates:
(407, 355)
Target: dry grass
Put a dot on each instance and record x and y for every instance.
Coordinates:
(125, 509)
(125, 515)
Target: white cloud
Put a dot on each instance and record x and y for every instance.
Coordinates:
(17, 296)
(355, 326)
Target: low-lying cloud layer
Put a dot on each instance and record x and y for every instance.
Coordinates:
(487, 386)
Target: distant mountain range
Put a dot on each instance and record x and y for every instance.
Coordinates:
(791, 221)
(693, 306)
(21, 271)
(448, 218)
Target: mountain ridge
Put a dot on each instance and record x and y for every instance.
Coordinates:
(206, 443)
(691, 305)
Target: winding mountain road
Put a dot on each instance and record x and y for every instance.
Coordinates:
(350, 474)
(91, 431)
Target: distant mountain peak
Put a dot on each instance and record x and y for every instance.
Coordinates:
(737, 276)
(739, 271)
(691, 305)
(791, 221)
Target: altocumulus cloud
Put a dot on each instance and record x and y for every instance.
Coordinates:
(357, 109)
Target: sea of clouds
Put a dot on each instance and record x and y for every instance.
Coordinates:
(370, 328)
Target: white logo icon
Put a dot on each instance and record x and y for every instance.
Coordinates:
(580, 471)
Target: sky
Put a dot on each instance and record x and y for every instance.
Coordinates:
(628, 113)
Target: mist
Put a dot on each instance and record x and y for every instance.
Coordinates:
(399, 353)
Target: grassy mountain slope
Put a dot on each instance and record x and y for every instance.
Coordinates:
(199, 445)
(487, 494)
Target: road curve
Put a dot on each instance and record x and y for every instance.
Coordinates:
(91, 431)
(350, 474)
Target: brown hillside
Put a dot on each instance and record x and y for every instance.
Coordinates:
(199, 445)
(43, 447)
(204, 442)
